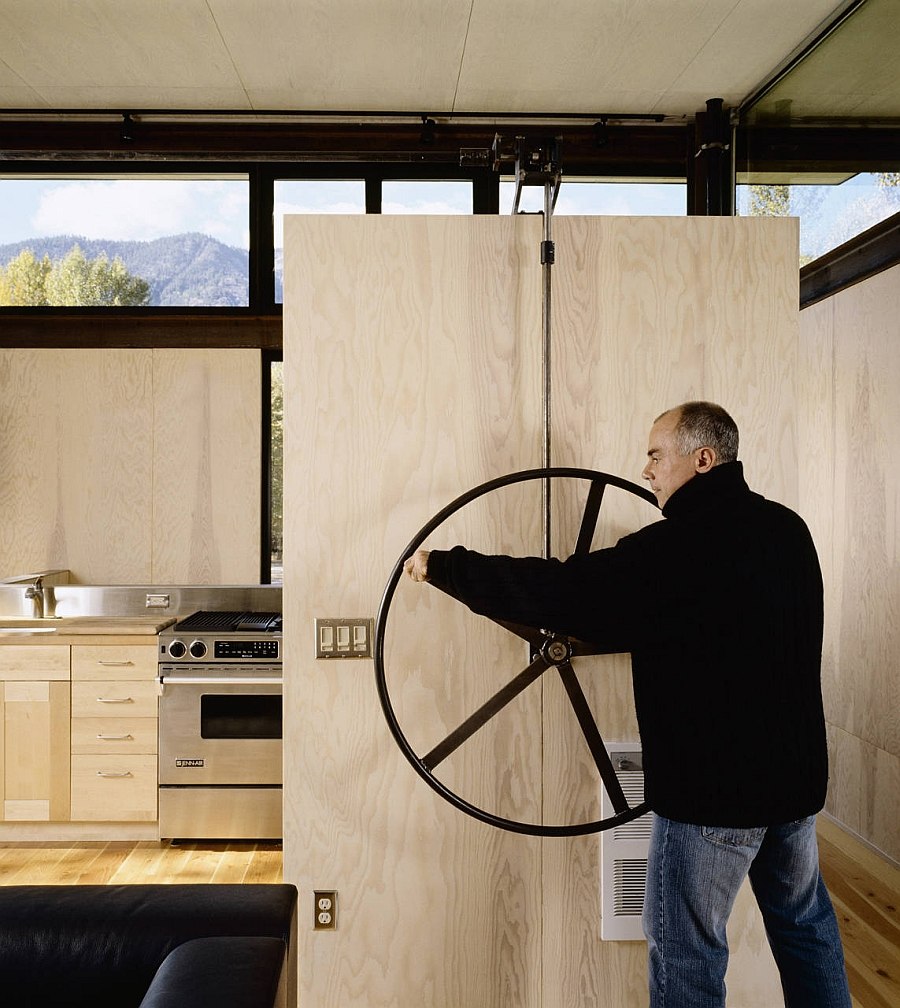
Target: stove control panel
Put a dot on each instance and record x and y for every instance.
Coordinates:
(200, 648)
(267, 650)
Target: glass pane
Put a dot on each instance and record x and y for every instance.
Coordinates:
(426, 197)
(851, 74)
(311, 196)
(624, 199)
(240, 716)
(831, 213)
(69, 241)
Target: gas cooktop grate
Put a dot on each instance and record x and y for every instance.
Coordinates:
(213, 621)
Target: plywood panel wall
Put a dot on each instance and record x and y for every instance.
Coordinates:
(850, 487)
(206, 466)
(412, 370)
(75, 442)
(131, 466)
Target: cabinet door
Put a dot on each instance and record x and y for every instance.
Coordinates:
(35, 750)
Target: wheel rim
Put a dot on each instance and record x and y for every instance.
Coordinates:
(549, 651)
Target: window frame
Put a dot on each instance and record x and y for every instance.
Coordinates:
(258, 325)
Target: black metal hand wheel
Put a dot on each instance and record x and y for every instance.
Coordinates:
(548, 650)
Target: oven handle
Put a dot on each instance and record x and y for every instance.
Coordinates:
(219, 680)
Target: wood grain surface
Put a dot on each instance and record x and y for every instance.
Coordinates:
(131, 466)
(851, 494)
(412, 373)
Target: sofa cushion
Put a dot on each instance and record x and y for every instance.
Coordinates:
(225, 972)
(96, 945)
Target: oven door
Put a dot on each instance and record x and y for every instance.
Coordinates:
(220, 725)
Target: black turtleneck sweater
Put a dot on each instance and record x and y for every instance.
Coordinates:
(720, 606)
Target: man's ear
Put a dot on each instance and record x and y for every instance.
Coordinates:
(704, 460)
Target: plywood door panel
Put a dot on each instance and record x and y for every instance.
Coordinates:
(648, 313)
(412, 361)
(410, 377)
(206, 465)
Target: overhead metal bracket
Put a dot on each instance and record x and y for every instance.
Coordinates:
(535, 162)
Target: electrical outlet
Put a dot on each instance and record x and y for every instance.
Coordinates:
(324, 910)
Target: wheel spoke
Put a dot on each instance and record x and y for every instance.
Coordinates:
(531, 635)
(593, 738)
(589, 518)
(549, 648)
(484, 713)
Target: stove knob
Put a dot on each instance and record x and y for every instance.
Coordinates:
(177, 649)
(197, 649)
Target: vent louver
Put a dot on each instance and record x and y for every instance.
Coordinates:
(623, 853)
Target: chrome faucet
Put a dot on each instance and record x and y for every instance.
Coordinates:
(35, 592)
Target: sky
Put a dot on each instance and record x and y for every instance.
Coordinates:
(123, 209)
(144, 209)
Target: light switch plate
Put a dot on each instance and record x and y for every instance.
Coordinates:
(345, 637)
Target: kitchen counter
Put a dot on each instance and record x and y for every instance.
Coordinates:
(73, 629)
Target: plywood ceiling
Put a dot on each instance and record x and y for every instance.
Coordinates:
(424, 56)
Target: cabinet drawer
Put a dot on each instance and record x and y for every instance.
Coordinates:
(115, 699)
(29, 662)
(113, 735)
(114, 661)
(114, 788)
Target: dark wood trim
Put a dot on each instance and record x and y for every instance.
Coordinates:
(865, 255)
(634, 148)
(36, 328)
(802, 149)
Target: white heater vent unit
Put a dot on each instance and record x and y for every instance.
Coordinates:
(623, 852)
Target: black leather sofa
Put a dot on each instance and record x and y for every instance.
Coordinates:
(148, 946)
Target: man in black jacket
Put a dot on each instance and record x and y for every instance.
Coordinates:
(720, 606)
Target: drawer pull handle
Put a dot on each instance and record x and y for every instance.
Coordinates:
(127, 699)
(115, 738)
(115, 663)
(114, 773)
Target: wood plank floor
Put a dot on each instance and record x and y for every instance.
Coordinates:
(865, 888)
(119, 862)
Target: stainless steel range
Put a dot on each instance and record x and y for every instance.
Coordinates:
(220, 727)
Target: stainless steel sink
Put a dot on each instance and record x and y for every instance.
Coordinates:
(26, 624)
(26, 630)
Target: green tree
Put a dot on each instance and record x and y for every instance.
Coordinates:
(74, 280)
(277, 487)
(889, 186)
(770, 201)
(23, 281)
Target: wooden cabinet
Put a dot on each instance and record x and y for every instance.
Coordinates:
(34, 733)
(114, 733)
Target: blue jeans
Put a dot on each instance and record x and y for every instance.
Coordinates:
(693, 877)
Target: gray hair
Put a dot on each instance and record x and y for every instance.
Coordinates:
(705, 425)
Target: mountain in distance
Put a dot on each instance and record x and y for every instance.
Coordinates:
(184, 270)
